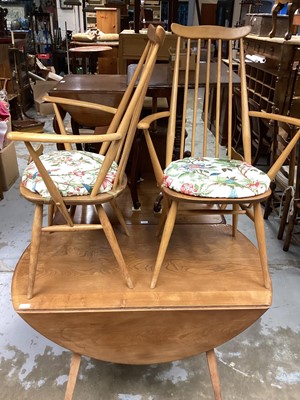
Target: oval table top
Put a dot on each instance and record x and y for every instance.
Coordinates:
(89, 49)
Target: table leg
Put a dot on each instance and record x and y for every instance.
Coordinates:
(135, 171)
(93, 63)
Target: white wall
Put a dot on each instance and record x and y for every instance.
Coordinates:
(236, 12)
(69, 17)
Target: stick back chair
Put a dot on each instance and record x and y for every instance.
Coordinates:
(196, 173)
(294, 209)
(66, 178)
(284, 183)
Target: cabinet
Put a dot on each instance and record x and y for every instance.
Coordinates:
(14, 67)
(90, 19)
(42, 31)
(274, 84)
(89, 13)
(152, 5)
(172, 12)
(155, 6)
(262, 83)
(108, 20)
(131, 46)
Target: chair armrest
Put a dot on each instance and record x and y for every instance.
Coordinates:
(275, 117)
(284, 155)
(54, 138)
(80, 103)
(144, 124)
(147, 121)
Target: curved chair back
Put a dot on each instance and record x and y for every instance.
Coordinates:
(198, 64)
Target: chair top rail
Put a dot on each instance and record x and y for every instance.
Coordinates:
(210, 32)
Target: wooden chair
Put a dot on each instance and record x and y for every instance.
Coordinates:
(284, 184)
(294, 214)
(200, 180)
(102, 179)
(205, 181)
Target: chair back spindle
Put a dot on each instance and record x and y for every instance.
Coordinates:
(198, 65)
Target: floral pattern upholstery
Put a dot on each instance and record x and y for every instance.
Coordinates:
(73, 172)
(214, 177)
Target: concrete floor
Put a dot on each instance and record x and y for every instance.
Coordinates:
(261, 363)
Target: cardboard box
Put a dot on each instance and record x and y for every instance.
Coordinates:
(182, 59)
(9, 171)
(40, 89)
(193, 57)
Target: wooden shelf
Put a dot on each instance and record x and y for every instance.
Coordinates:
(275, 87)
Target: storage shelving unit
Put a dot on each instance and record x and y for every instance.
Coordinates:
(42, 34)
(90, 13)
(261, 85)
(274, 84)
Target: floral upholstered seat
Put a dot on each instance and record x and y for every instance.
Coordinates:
(215, 177)
(73, 172)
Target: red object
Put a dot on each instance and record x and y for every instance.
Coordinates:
(46, 56)
(4, 111)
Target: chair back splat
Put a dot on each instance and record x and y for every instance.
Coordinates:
(204, 174)
(71, 177)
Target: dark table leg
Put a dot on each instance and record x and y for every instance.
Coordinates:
(134, 171)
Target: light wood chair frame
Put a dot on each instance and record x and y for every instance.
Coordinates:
(251, 206)
(115, 146)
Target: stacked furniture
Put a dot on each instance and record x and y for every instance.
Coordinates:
(198, 285)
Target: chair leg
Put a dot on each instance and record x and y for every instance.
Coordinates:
(284, 215)
(214, 374)
(73, 210)
(268, 202)
(162, 220)
(119, 215)
(261, 241)
(168, 229)
(34, 247)
(74, 368)
(51, 211)
(290, 228)
(235, 218)
(111, 237)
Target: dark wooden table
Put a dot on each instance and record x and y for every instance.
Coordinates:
(108, 89)
(101, 89)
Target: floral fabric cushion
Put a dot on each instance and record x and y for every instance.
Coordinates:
(213, 177)
(73, 172)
